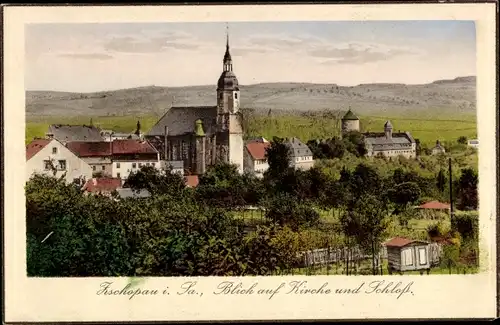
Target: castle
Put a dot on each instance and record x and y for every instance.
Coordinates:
(201, 136)
(386, 144)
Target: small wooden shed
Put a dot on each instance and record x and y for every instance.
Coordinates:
(405, 254)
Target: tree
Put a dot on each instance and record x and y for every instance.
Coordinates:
(367, 220)
(467, 190)
(155, 181)
(284, 209)
(462, 140)
(365, 179)
(278, 155)
(404, 194)
(441, 181)
(355, 143)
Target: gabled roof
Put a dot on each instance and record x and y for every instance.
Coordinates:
(299, 149)
(129, 146)
(402, 241)
(90, 149)
(257, 150)
(182, 120)
(350, 116)
(97, 185)
(35, 146)
(65, 133)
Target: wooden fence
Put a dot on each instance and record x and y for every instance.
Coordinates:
(325, 256)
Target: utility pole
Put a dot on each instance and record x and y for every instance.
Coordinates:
(451, 192)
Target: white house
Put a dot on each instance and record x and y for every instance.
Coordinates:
(473, 143)
(49, 156)
(255, 160)
(131, 155)
(301, 156)
(438, 149)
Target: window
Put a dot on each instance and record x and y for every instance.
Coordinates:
(76, 181)
(153, 165)
(93, 168)
(133, 165)
(118, 175)
(46, 164)
(235, 95)
(62, 164)
(408, 257)
(422, 256)
(103, 167)
(140, 165)
(54, 150)
(117, 165)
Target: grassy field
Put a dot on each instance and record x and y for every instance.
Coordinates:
(427, 129)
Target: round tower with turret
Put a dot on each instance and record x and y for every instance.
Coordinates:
(350, 122)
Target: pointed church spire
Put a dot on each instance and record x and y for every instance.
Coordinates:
(228, 62)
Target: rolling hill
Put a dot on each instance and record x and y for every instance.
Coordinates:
(442, 96)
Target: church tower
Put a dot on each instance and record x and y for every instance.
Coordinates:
(228, 90)
(228, 115)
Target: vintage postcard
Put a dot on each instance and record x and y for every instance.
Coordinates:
(190, 163)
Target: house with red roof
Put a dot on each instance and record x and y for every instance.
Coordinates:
(254, 157)
(50, 157)
(96, 153)
(404, 254)
(117, 158)
(103, 185)
(130, 155)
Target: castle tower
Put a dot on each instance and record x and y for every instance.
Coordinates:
(350, 122)
(228, 105)
(388, 129)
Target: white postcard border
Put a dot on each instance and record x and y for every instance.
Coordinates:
(72, 299)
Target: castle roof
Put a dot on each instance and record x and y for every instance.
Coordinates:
(182, 120)
(350, 116)
(379, 141)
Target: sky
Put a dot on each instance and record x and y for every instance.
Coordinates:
(98, 57)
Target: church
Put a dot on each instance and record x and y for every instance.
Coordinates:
(201, 136)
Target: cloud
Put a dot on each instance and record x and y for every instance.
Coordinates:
(359, 53)
(334, 53)
(151, 44)
(86, 56)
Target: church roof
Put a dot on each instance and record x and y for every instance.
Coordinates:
(388, 124)
(228, 80)
(182, 120)
(350, 116)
